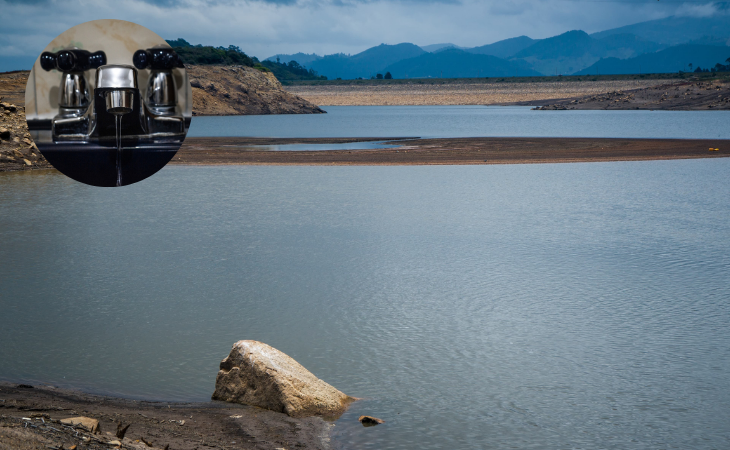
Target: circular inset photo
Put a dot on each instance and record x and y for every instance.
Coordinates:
(108, 103)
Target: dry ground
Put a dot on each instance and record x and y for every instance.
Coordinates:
(684, 96)
(460, 93)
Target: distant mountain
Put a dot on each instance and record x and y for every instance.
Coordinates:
(365, 64)
(449, 48)
(722, 41)
(455, 63)
(561, 54)
(669, 60)
(438, 47)
(571, 44)
(676, 30)
(291, 71)
(575, 50)
(303, 59)
(626, 45)
(505, 48)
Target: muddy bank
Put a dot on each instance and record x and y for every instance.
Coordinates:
(449, 151)
(181, 426)
(684, 96)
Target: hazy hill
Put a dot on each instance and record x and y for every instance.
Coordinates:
(575, 50)
(303, 59)
(561, 54)
(291, 71)
(570, 44)
(722, 41)
(626, 46)
(438, 47)
(455, 63)
(505, 48)
(675, 30)
(365, 64)
(672, 59)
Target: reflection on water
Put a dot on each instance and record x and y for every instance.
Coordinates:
(519, 306)
(470, 121)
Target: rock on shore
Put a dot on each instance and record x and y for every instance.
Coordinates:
(259, 375)
(17, 150)
(232, 90)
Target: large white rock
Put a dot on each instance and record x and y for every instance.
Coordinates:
(259, 375)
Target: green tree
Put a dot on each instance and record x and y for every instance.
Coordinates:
(388, 76)
(379, 76)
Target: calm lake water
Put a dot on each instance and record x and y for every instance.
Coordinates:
(546, 306)
(470, 121)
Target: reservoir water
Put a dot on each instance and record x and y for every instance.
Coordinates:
(545, 306)
(470, 121)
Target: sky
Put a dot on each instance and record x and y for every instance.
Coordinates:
(263, 28)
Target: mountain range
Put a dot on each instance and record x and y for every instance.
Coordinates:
(657, 46)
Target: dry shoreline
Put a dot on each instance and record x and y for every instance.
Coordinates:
(464, 93)
(182, 426)
(233, 151)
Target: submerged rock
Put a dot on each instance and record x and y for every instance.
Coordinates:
(370, 421)
(259, 375)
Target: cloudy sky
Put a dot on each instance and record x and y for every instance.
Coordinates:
(265, 27)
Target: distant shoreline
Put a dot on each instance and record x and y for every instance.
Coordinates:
(454, 151)
(556, 93)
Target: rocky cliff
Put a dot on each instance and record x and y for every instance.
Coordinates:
(233, 90)
(17, 151)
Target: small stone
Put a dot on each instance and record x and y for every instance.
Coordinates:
(27, 163)
(27, 141)
(369, 421)
(4, 133)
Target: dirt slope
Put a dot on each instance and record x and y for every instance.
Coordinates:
(684, 96)
(17, 150)
(232, 90)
